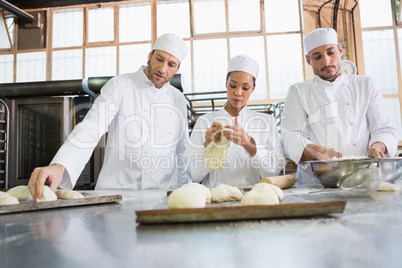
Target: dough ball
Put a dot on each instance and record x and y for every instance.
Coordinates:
(387, 187)
(225, 193)
(257, 197)
(4, 194)
(202, 188)
(48, 195)
(68, 194)
(187, 197)
(8, 200)
(263, 187)
(20, 192)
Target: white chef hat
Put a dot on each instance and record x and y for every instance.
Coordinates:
(172, 44)
(243, 63)
(320, 37)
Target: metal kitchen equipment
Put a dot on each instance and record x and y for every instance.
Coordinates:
(328, 172)
(362, 181)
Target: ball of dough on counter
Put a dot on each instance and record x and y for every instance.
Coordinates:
(187, 197)
(8, 200)
(264, 186)
(225, 193)
(68, 194)
(22, 193)
(4, 194)
(48, 195)
(387, 187)
(201, 187)
(265, 196)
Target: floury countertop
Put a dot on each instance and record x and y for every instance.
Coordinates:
(367, 234)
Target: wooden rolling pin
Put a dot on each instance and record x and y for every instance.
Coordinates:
(283, 182)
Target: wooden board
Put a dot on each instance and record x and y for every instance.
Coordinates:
(239, 212)
(24, 206)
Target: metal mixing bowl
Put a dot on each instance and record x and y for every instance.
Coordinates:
(328, 172)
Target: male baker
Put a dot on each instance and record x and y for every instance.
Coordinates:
(145, 118)
(333, 114)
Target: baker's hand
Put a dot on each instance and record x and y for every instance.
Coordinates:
(377, 149)
(213, 134)
(317, 152)
(53, 174)
(239, 136)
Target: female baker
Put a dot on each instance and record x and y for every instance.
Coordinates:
(235, 145)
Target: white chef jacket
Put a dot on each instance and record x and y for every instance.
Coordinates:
(147, 131)
(239, 169)
(348, 114)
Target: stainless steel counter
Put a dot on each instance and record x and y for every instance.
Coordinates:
(367, 234)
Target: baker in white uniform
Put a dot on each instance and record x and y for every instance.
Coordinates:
(146, 121)
(254, 151)
(333, 114)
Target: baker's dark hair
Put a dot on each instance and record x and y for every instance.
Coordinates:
(228, 75)
(153, 51)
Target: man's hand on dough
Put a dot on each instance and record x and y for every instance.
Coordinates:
(213, 133)
(53, 174)
(377, 149)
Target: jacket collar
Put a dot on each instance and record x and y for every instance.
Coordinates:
(144, 82)
(243, 112)
(320, 83)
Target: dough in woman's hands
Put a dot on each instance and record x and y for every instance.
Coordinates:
(202, 188)
(225, 193)
(22, 193)
(68, 194)
(215, 153)
(260, 194)
(6, 199)
(187, 197)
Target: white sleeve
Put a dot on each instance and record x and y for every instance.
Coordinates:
(183, 177)
(194, 161)
(293, 123)
(380, 125)
(77, 149)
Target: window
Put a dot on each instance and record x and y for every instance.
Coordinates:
(244, 15)
(173, 16)
(135, 23)
(282, 16)
(101, 24)
(100, 61)
(67, 64)
(212, 11)
(6, 68)
(133, 56)
(31, 66)
(382, 43)
(68, 27)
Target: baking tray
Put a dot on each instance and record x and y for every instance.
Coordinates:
(230, 213)
(25, 206)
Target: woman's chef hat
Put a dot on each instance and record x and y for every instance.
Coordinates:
(320, 37)
(172, 44)
(243, 63)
